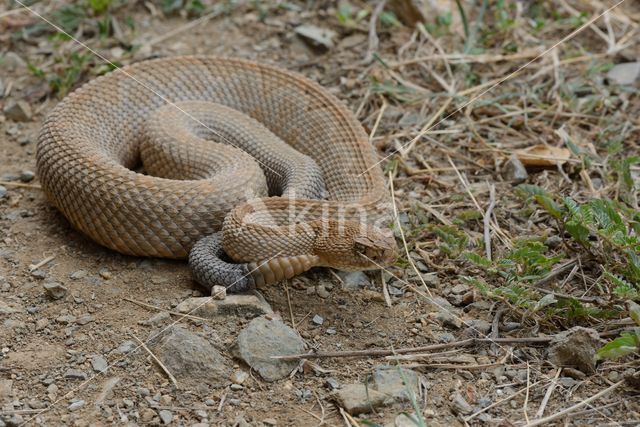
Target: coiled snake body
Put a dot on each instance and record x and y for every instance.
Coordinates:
(274, 170)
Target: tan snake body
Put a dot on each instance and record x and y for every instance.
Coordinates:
(177, 114)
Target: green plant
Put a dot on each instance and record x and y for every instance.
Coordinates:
(346, 15)
(627, 343)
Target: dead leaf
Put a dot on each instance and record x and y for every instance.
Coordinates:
(543, 155)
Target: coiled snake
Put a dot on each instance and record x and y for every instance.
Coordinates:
(246, 159)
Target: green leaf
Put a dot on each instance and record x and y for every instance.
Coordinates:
(578, 231)
(476, 259)
(634, 311)
(622, 346)
(549, 205)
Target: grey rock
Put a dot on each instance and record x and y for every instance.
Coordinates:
(625, 74)
(460, 405)
(6, 308)
(322, 291)
(358, 399)
(399, 383)
(156, 319)
(84, 319)
(264, 338)
(354, 280)
(3, 192)
(42, 323)
(11, 61)
(239, 377)
(190, 357)
(514, 171)
(448, 319)
(19, 111)
(27, 176)
(332, 383)
(99, 363)
(66, 319)
(479, 327)
(126, 347)
(165, 416)
(76, 405)
(78, 274)
(576, 348)
(247, 306)
(75, 374)
(55, 290)
(317, 36)
(318, 320)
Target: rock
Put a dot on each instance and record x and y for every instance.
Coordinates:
(27, 176)
(75, 374)
(332, 383)
(575, 348)
(126, 347)
(239, 377)
(78, 274)
(218, 292)
(76, 405)
(478, 327)
(322, 291)
(399, 383)
(66, 319)
(460, 405)
(156, 319)
(99, 363)
(354, 280)
(625, 74)
(166, 416)
(6, 391)
(3, 192)
(318, 37)
(449, 320)
(11, 61)
(190, 357)
(247, 306)
(318, 320)
(54, 290)
(84, 319)
(41, 324)
(18, 111)
(5, 308)
(264, 338)
(147, 415)
(357, 399)
(514, 171)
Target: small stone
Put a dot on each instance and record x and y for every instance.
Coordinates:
(514, 171)
(322, 291)
(166, 416)
(78, 274)
(147, 415)
(66, 319)
(27, 176)
(3, 192)
(76, 405)
(331, 331)
(576, 348)
(358, 399)
(42, 323)
(99, 363)
(105, 274)
(553, 241)
(55, 290)
(75, 374)
(321, 37)
(126, 347)
(190, 357)
(460, 405)
(239, 377)
(318, 320)
(236, 387)
(264, 338)
(478, 327)
(354, 280)
(400, 383)
(157, 319)
(84, 319)
(218, 292)
(625, 74)
(19, 111)
(332, 383)
(209, 402)
(52, 391)
(270, 422)
(448, 320)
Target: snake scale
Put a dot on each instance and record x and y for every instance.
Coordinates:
(259, 172)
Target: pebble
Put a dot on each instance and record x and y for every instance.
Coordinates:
(76, 405)
(460, 405)
(84, 319)
(75, 374)
(322, 291)
(358, 399)
(318, 320)
(66, 319)
(126, 347)
(99, 363)
(27, 176)
(41, 324)
(191, 357)
(264, 338)
(105, 274)
(448, 320)
(156, 319)
(514, 171)
(575, 348)
(625, 73)
(236, 387)
(147, 415)
(209, 402)
(332, 383)
(270, 421)
(218, 292)
(247, 306)
(78, 274)
(19, 111)
(400, 383)
(55, 290)
(3, 192)
(239, 377)
(331, 331)
(354, 280)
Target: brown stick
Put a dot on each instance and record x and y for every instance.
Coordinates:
(434, 347)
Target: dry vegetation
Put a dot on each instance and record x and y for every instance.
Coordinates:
(514, 159)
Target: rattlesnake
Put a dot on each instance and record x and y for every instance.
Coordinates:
(328, 197)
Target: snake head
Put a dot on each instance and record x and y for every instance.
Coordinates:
(376, 248)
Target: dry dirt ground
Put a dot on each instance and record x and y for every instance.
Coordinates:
(443, 178)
